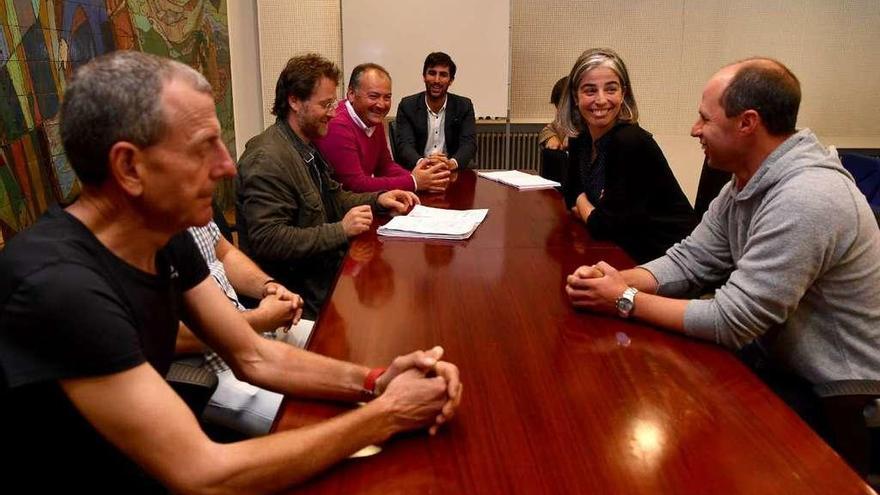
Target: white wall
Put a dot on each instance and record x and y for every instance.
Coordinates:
(400, 39)
(288, 28)
(671, 47)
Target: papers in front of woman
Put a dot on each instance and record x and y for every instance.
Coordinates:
(424, 222)
(520, 180)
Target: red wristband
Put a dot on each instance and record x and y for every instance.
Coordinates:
(370, 380)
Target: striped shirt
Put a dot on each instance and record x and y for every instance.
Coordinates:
(206, 239)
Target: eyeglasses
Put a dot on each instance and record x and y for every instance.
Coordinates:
(329, 106)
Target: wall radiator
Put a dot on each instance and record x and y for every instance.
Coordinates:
(525, 154)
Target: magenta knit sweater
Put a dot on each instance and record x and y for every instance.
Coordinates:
(361, 163)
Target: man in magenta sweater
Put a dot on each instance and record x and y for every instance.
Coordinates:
(355, 144)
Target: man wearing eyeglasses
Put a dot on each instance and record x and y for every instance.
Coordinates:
(355, 144)
(294, 219)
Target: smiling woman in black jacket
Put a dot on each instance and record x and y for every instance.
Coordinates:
(619, 183)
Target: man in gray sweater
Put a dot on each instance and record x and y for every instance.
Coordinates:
(790, 245)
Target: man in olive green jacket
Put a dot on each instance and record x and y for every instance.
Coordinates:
(294, 219)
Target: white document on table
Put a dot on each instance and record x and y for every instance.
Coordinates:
(424, 222)
(420, 211)
(520, 180)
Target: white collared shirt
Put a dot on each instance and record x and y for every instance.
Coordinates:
(436, 142)
(368, 130)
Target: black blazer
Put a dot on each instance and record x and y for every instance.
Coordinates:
(412, 129)
(642, 209)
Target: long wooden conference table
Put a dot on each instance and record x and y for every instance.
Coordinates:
(556, 401)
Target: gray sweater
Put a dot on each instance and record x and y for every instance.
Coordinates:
(796, 258)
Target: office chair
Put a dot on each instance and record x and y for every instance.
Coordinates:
(866, 171)
(392, 139)
(193, 384)
(196, 385)
(711, 182)
(852, 408)
(554, 165)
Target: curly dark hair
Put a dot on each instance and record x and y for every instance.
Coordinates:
(439, 58)
(299, 78)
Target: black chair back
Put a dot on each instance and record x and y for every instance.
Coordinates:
(392, 139)
(554, 165)
(711, 182)
(194, 384)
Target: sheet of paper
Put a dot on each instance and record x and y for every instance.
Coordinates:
(441, 214)
(430, 226)
(519, 180)
(424, 222)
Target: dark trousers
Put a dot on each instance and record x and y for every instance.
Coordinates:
(795, 391)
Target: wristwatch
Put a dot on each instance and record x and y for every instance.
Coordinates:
(627, 302)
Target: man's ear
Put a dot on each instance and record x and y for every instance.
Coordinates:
(748, 122)
(126, 162)
(295, 104)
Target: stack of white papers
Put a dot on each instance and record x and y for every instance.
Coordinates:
(520, 180)
(424, 222)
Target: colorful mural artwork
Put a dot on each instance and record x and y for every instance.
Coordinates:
(44, 41)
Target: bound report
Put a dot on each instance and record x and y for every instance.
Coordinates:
(520, 180)
(424, 222)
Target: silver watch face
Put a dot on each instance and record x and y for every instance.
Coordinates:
(624, 305)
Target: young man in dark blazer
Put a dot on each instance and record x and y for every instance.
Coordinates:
(435, 125)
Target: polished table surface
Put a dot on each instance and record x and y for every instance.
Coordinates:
(556, 401)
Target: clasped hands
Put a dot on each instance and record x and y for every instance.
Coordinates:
(595, 287)
(433, 173)
(279, 307)
(421, 390)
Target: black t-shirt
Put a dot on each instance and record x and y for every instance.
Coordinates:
(71, 308)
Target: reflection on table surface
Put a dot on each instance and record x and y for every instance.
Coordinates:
(556, 401)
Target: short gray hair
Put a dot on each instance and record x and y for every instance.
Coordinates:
(569, 116)
(117, 97)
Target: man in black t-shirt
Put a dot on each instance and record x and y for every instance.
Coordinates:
(91, 295)
(72, 309)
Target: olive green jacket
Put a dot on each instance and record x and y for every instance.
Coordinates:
(287, 223)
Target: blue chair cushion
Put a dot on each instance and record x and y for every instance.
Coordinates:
(866, 171)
